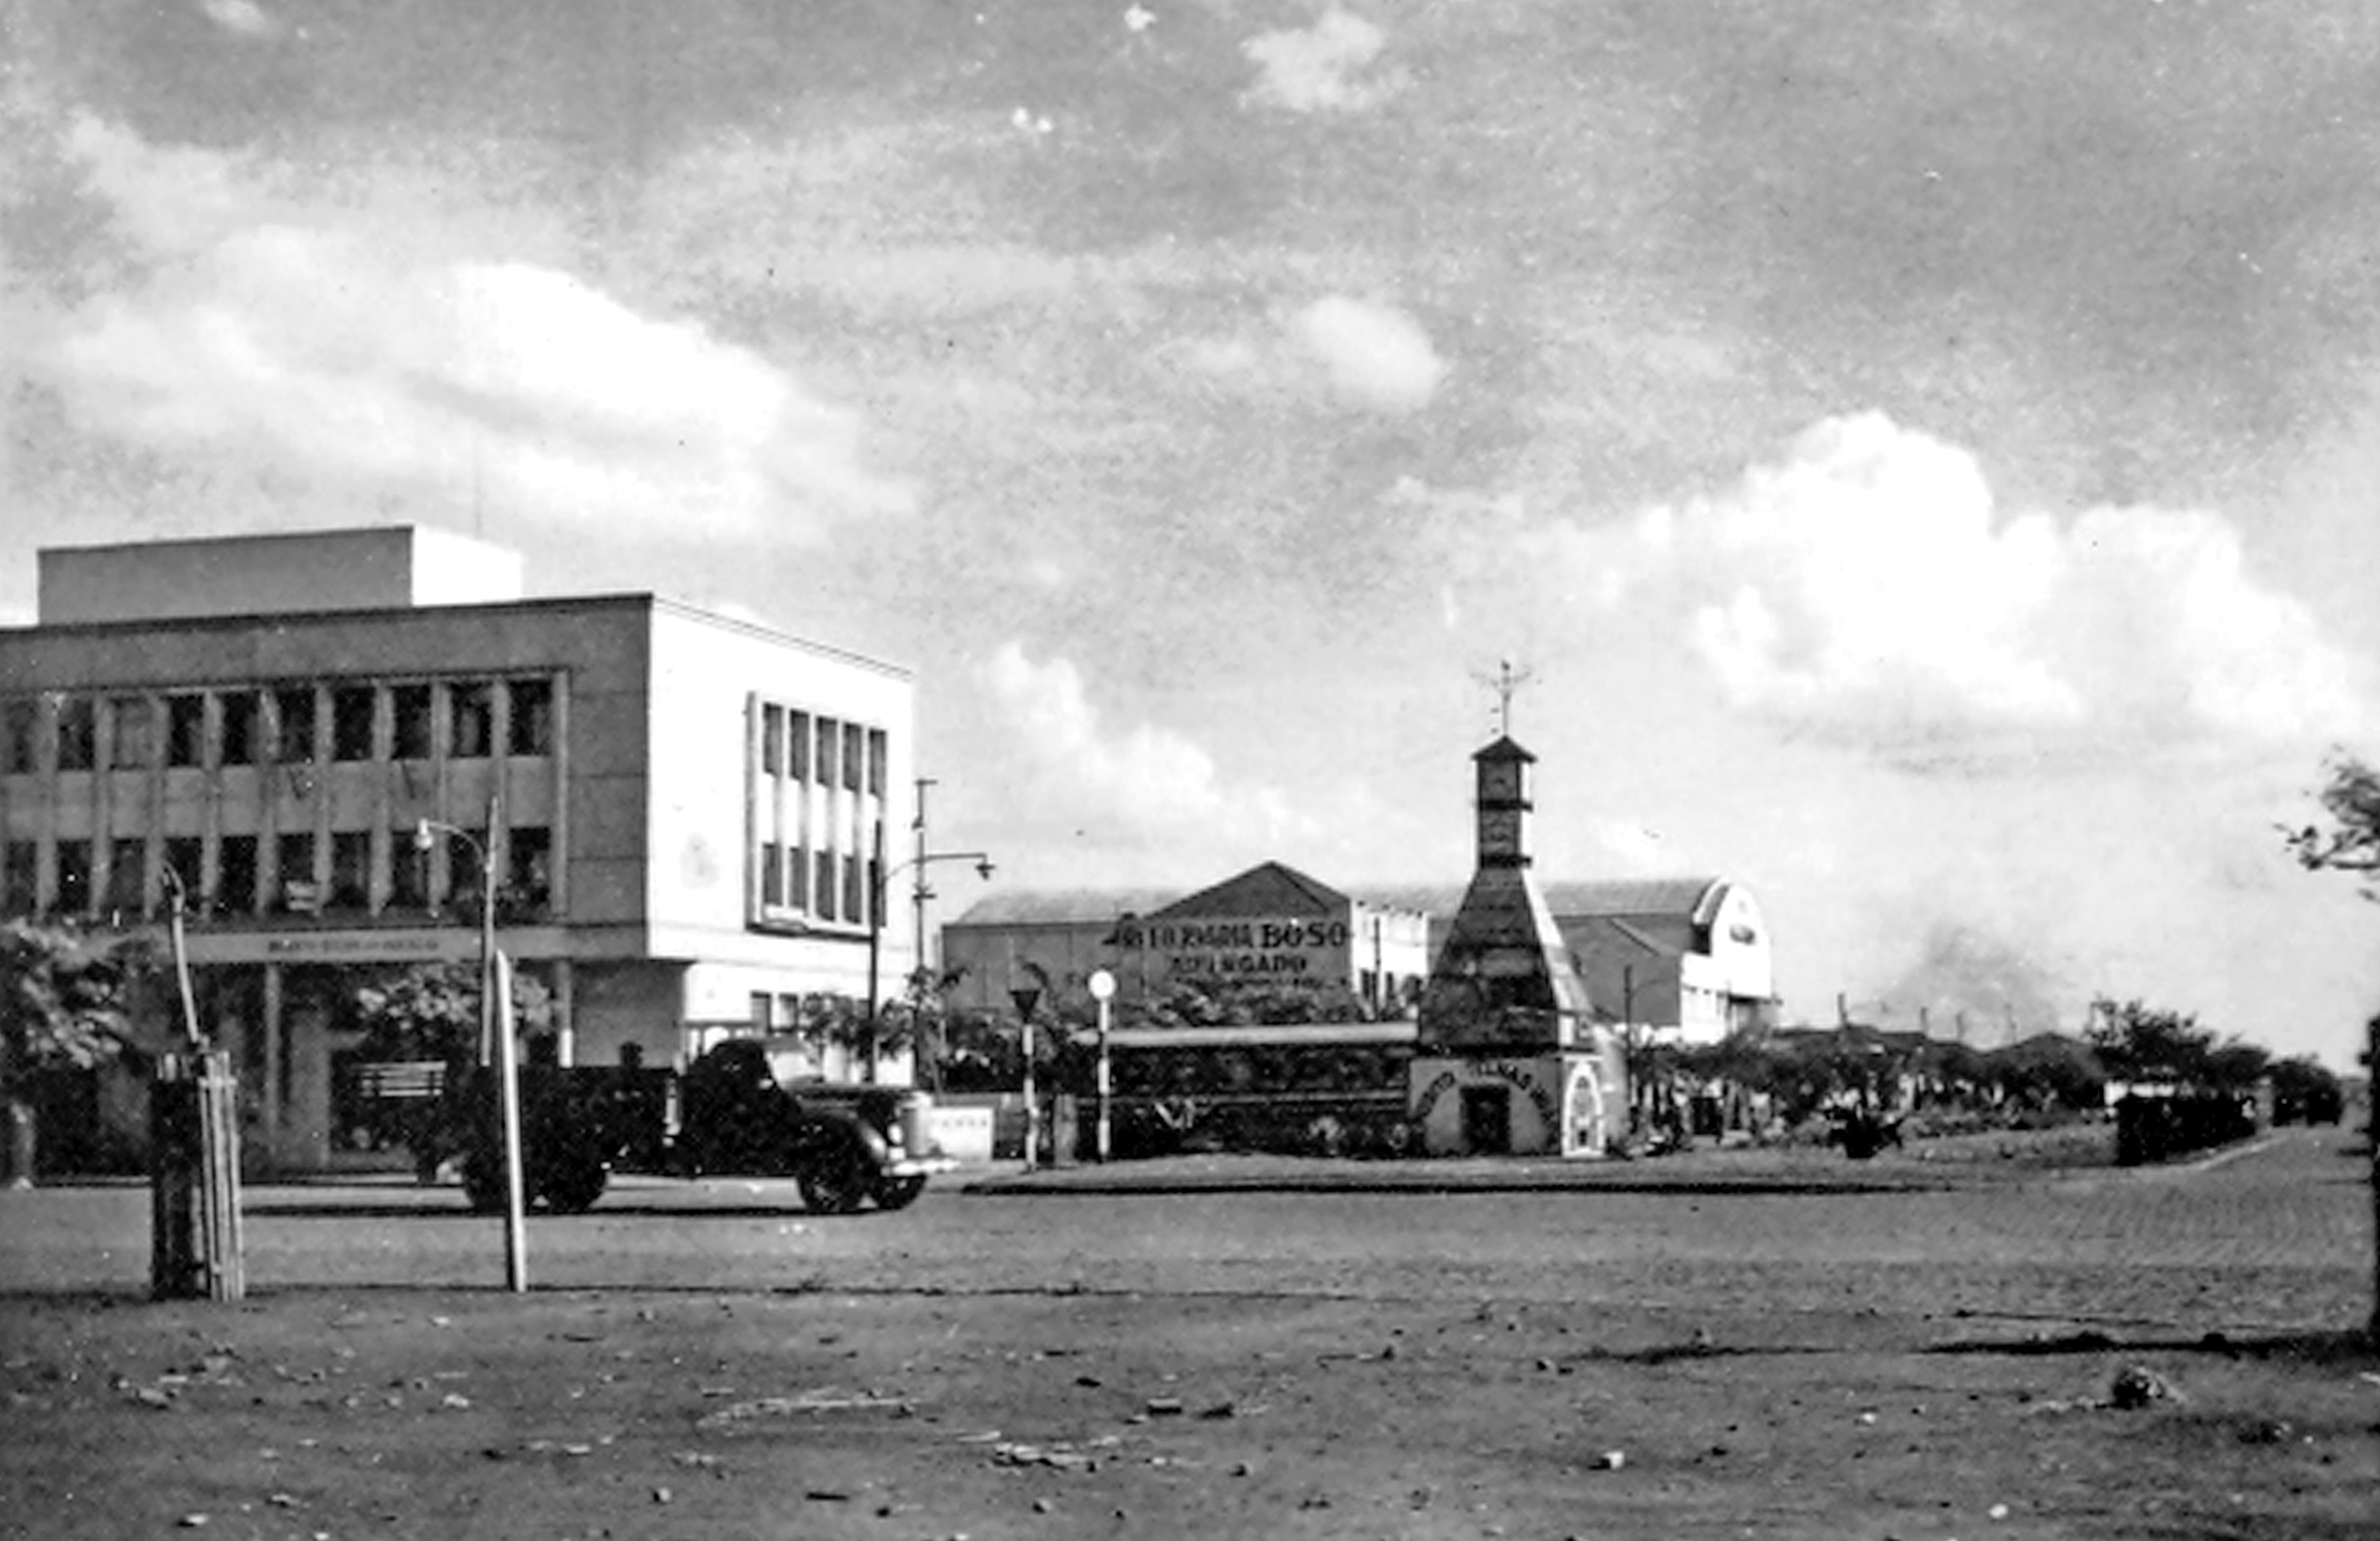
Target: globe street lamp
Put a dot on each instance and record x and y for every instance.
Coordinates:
(496, 1030)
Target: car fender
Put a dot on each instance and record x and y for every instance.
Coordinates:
(833, 1129)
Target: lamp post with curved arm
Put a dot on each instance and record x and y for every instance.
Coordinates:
(496, 1035)
(919, 895)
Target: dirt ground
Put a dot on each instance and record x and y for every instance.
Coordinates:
(1349, 1388)
(346, 1413)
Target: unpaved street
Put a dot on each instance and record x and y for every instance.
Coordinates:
(709, 1361)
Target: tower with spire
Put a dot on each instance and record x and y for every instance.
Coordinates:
(1511, 1059)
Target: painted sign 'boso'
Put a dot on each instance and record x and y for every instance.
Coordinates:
(1232, 949)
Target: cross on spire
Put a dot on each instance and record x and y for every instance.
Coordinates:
(1506, 683)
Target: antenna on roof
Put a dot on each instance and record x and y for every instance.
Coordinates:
(1506, 682)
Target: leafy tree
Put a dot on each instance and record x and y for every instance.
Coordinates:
(2351, 841)
(431, 1011)
(67, 998)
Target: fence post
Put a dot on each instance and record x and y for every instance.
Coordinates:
(194, 1224)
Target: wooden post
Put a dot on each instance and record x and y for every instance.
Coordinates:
(195, 1245)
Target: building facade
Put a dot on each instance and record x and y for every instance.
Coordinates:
(351, 748)
(1671, 960)
(1270, 925)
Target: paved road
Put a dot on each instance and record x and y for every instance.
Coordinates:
(2273, 1238)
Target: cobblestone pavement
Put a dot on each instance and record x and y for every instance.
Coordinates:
(2271, 1238)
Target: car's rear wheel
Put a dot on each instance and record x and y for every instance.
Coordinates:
(835, 1185)
(575, 1187)
(483, 1182)
(898, 1192)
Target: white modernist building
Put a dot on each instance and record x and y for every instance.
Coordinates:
(683, 812)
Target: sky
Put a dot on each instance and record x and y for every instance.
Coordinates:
(1918, 458)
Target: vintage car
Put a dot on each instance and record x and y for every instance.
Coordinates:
(844, 1144)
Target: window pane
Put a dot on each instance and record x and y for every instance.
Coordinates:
(239, 728)
(20, 875)
(351, 871)
(532, 717)
(528, 853)
(409, 704)
(876, 761)
(295, 853)
(798, 764)
(20, 725)
(75, 733)
(186, 729)
(798, 878)
(126, 859)
(351, 722)
(473, 721)
(129, 738)
(295, 744)
(74, 877)
(236, 875)
(854, 756)
(772, 874)
(184, 856)
(408, 872)
(772, 739)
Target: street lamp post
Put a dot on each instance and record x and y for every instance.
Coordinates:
(884, 876)
(1103, 989)
(496, 1033)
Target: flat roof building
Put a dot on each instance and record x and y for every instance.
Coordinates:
(683, 812)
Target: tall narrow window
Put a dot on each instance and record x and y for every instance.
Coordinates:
(294, 857)
(296, 707)
(463, 874)
(773, 873)
(773, 740)
(184, 854)
(528, 877)
(77, 733)
(242, 734)
(129, 739)
(854, 758)
(408, 872)
(351, 722)
(74, 877)
(410, 710)
(531, 728)
(186, 729)
(21, 877)
(125, 877)
(472, 728)
(876, 761)
(20, 726)
(234, 876)
(351, 871)
(797, 763)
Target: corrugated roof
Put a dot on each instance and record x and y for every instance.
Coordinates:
(1064, 906)
(1268, 889)
(1569, 901)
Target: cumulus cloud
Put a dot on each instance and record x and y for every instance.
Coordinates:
(1149, 778)
(1866, 588)
(1327, 67)
(331, 356)
(1375, 355)
(243, 17)
(1358, 352)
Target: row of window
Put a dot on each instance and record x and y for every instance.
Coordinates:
(227, 876)
(817, 802)
(287, 725)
